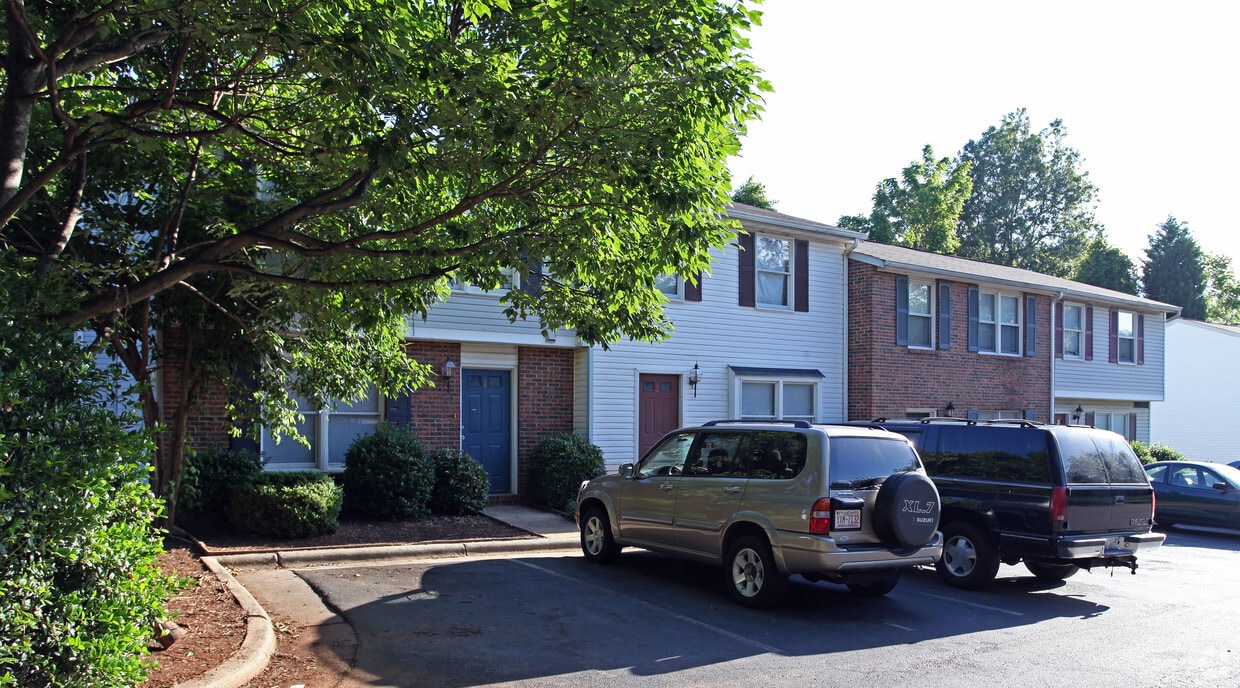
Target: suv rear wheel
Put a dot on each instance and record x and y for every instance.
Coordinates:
(753, 578)
(970, 561)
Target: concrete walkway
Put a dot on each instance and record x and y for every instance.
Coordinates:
(266, 581)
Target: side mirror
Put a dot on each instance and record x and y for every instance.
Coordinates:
(627, 470)
(1222, 487)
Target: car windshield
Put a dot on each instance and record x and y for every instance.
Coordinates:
(858, 462)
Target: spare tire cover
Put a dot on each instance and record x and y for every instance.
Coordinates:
(906, 511)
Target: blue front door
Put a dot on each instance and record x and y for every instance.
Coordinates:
(486, 432)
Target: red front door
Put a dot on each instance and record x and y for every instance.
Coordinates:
(658, 409)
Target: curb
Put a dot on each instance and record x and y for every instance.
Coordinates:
(257, 648)
(260, 639)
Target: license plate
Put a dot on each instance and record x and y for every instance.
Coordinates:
(847, 519)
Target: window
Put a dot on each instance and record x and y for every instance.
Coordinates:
(1074, 331)
(1126, 337)
(774, 271)
(1115, 422)
(920, 318)
(329, 432)
(998, 323)
(671, 286)
(998, 415)
(508, 279)
(778, 400)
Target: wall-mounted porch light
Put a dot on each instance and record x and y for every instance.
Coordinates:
(448, 371)
(695, 376)
(949, 410)
(1076, 414)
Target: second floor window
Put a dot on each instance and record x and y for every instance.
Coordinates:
(774, 271)
(1073, 331)
(998, 323)
(670, 285)
(920, 318)
(1126, 337)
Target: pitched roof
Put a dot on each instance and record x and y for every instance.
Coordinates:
(1233, 330)
(749, 215)
(892, 257)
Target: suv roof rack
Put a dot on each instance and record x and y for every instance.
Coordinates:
(793, 423)
(1018, 422)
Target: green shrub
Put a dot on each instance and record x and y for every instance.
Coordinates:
(80, 586)
(208, 480)
(558, 465)
(1162, 452)
(292, 504)
(388, 476)
(461, 483)
(1142, 450)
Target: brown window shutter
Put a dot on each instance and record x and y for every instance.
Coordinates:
(1059, 330)
(1089, 333)
(748, 270)
(1113, 337)
(693, 288)
(1140, 339)
(800, 277)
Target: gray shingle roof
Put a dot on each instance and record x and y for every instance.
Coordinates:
(748, 214)
(966, 270)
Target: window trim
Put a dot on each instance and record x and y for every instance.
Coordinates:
(679, 293)
(778, 378)
(1064, 331)
(928, 316)
(320, 441)
(787, 275)
(999, 325)
(514, 281)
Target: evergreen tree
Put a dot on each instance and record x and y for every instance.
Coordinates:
(1174, 270)
(753, 193)
(1108, 267)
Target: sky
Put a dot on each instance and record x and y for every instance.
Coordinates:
(1147, 93)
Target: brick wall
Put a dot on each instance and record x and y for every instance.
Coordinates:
(208, 421)
(435, 412)
(544, 400)
(885, 380)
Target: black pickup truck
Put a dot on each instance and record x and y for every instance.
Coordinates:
(1058, 498)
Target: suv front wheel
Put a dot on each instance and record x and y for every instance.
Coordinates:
(970, 561)
(597, 543)
(753, 578)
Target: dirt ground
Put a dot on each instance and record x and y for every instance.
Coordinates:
(213, 621)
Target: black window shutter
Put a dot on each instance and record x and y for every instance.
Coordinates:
(244, 443)
(531, 281)
(1140, 339)
(901, 310)
(801, 277)
(1132, 427)
(945, 315)
(1031, 325)
(973, 318)
(398, 410)
(1089, 333)
(693, 289)
(748, 267)
(1059, 330)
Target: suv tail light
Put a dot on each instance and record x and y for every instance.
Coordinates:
(820, 517)
(1059, 505)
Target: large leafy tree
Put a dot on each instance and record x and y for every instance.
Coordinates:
(921, 209)
(276, 186)
(1174, 269)
(753, 193)
(1031, 205)
(1222, 290)
(1108, 267)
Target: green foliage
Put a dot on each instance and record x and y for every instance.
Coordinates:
(209, 479)
(297, 179)
(1142, 450)
(558, 465)
(461, 483)
(292, 504)
(1222, 291)
(753, 193)
(80, 587)
(920, 210)
(1174, 269)
(388, 476)
(1149, 453)
(1030, 207)
(1107, 267)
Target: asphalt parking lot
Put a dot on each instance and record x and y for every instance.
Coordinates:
(551, 619)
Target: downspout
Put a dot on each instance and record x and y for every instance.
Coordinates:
(847, 335)
(1054, 395)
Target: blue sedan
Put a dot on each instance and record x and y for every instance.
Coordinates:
(1195, 493)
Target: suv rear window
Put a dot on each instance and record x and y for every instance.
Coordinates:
(991, 453)
(857, 458)
(1098, 457)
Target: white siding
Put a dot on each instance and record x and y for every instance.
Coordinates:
(1203, 372)
(717, 333)
(1101, 379)
(475, 317)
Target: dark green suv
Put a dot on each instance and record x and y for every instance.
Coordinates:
(766, 500)
(1058, 498)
